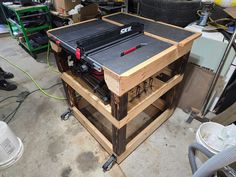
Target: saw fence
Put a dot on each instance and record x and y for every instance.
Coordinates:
(142, 98)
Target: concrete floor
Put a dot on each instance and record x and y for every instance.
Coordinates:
(55, 148)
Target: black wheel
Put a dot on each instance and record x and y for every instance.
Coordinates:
(109, 163)
(176, 12)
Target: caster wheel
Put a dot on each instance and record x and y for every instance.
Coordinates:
(109, 163)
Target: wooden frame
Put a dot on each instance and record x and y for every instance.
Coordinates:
(119, 114)
(121, 111)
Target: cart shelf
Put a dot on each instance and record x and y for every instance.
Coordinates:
(17, 24)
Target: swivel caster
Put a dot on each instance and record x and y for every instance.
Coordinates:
(109, 163)
(66, 115)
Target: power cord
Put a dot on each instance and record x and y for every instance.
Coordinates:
(48, 62)
(37, 85)
(7, 98)
(20, 99)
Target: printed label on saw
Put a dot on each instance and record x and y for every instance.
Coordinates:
(126, 30)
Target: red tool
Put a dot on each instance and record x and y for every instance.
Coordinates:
(132, 49)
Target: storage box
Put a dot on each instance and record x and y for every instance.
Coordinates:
(63, 6)
(86, 13)
(231, 11)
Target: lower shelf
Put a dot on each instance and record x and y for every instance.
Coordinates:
(134, 107)
(34, 49)
(138, 129)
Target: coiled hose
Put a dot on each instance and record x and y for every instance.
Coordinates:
(191, 154)
(215, 163)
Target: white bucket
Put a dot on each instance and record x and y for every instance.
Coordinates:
(204, 136)
(11, 147)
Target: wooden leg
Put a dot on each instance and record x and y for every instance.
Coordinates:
(119, 139)
(70, 95)
(181, 64)
(62, 62)
(119, 107)
(174, 94)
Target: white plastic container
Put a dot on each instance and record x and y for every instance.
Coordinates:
(207, 135)
(11, 147)
(203, 133)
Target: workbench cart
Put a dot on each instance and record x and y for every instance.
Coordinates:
(130, 117)
(16, 16)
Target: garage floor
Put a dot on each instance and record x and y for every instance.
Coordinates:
(55, 148)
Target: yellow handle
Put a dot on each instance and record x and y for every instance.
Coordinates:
(225, 3)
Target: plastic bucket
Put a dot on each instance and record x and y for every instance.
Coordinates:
(205, 136)
(203, 133)
(11, 147)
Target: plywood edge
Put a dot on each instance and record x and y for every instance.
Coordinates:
(185, 49)
(190, 39)
(138, 16)
(105, 143)
(112, 14)
(151, 99)
(105, 17)
(133, 144)
(91, 98)
(112, 80)
(112, 22)
(161, 38)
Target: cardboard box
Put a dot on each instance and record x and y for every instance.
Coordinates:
(86, 13)
(63, 6)
(231, 11)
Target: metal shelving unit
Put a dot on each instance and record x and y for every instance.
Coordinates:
(16, 17)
